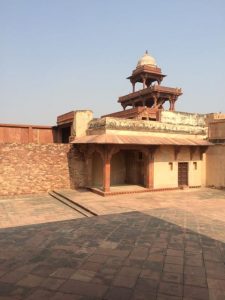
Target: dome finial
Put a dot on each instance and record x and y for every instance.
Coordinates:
(147, 59)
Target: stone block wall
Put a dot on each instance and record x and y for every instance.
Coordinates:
(215, 166)
(217, 131)
(182, 118)
(35, 168)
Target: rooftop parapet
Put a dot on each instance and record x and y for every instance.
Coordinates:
(117, 124)
(182, 118)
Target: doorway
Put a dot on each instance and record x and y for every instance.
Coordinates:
(182, 173)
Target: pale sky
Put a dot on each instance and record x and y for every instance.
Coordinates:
(63, 55)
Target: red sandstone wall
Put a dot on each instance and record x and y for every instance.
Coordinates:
(24, 134)
(33, 168)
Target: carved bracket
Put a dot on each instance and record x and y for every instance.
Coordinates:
(202, 150)
(193, 149)
(177, 150)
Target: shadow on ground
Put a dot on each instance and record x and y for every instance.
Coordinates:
(124, 256)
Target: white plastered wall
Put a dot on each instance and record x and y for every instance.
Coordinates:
(166, 167)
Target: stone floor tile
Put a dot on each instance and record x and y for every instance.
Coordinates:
(172, 289)
(172, 277)
(63, 296)
(6, 288)
(62, 273)
(129, 271)
(139, 253)
(215, 270)
(167, 297)
(177, 260)
(156, 257)
(97, 258)
(195, 280)
(43, 270)
(52, 283)
(215, 294)
(83, 288)
(216, 284)
(125, 281)
(148, 285)
(172, 268)
(92, 266)
(212, 255)
(175, 252)
(194, 260)
(31, 281)
(114, 262)
(118, 293)
(195, 271)
(2, 272)
(154, 275)
(152, 265)
(136, 263)
(157, 250)
(83, 275)
(143, 295)
(12, 277)
(8, 298)
(41, 294)
(199, 293)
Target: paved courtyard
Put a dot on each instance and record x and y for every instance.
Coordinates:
(161, 245)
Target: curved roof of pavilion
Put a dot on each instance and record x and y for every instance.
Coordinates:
(139, 140)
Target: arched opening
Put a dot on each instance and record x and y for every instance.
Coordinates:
(97, 170)
(118, 169)
(166, 105)
(127, 167)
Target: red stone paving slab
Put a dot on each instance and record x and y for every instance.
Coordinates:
(33, 210)
(166, 246)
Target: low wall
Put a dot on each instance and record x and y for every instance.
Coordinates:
(24, 134)
(182, 118)
(217, 130)
(215, 166)
(33, 168)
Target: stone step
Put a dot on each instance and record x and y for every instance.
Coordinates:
(72, 204)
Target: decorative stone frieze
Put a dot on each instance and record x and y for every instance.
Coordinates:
(139, 125)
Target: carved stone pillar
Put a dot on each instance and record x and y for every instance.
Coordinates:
(149, 172)
(106, 175)
(144, 82)
(149, 176)
(155, 100)
(88, 162)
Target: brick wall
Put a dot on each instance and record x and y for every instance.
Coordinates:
(33, 168)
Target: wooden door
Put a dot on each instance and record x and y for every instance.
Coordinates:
(182, 173)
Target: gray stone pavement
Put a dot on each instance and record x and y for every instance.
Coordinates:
(164, 246)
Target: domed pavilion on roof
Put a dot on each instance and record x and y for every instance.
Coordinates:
(150, 99)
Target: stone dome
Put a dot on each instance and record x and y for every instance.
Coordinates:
(146, 59)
